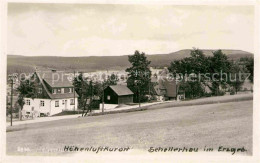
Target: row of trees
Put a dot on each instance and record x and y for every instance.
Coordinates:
(227, 73)
(215, 72)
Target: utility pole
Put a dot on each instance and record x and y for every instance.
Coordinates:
(7, 103)
(91, 97)
(138, 87)
(74, 93)
(149, 84)
(103, 97)
(11, 101)
(139, 96)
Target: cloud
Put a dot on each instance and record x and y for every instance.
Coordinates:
(113, 26)
(66, 29)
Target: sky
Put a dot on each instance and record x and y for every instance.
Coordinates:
(115, 29)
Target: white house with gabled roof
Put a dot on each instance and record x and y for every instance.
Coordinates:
(55, 93)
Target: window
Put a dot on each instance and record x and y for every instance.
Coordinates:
(58, 90)
(70, 90)
(108, 97)
(56, 103)
(28, 102)
(39, 90)
(66, 90)
(42, 103)
(63, 102)
(54, 91)
(71, 101)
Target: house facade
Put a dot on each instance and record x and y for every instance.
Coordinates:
(55, 93)
(118, 94)
(164, 88)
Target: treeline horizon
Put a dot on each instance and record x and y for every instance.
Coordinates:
(24, 64)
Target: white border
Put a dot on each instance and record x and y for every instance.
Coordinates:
(139, 156)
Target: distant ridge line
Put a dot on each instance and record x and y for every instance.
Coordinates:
(17, 55)
(16, 63)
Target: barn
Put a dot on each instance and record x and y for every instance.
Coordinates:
(118, 94)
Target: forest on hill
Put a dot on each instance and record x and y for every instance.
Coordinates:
(26, 64)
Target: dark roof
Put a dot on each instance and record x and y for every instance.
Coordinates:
(56, 79)
(54, 96)
(169, 86)
(121, 90)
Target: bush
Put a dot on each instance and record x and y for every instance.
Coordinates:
(8, 110)
(232, 92)
(222, 93)
(94, 105)
(207, 94)
(143, 99)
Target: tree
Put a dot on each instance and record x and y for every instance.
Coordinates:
(199, 62)
(21, 103)
(219, 67)
(79, 86)
(16, 108)
(87, 88)
(250, 68)
(26, 89)
(83, 89)
(111, 80)
(236, 77)
(187, 71)
(192, 89)
(249, 64)
(139, 75)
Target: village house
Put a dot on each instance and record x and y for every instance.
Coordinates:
(118, 94)
(55, 93)
(164, 88)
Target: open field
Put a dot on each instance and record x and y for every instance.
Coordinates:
(226, 124)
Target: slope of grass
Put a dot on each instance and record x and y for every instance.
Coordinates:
(214, 125)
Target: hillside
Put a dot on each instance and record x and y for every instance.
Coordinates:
(19, 64)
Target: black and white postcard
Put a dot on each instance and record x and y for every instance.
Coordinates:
(158, 81)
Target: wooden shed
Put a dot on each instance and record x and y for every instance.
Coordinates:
(118, 94)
